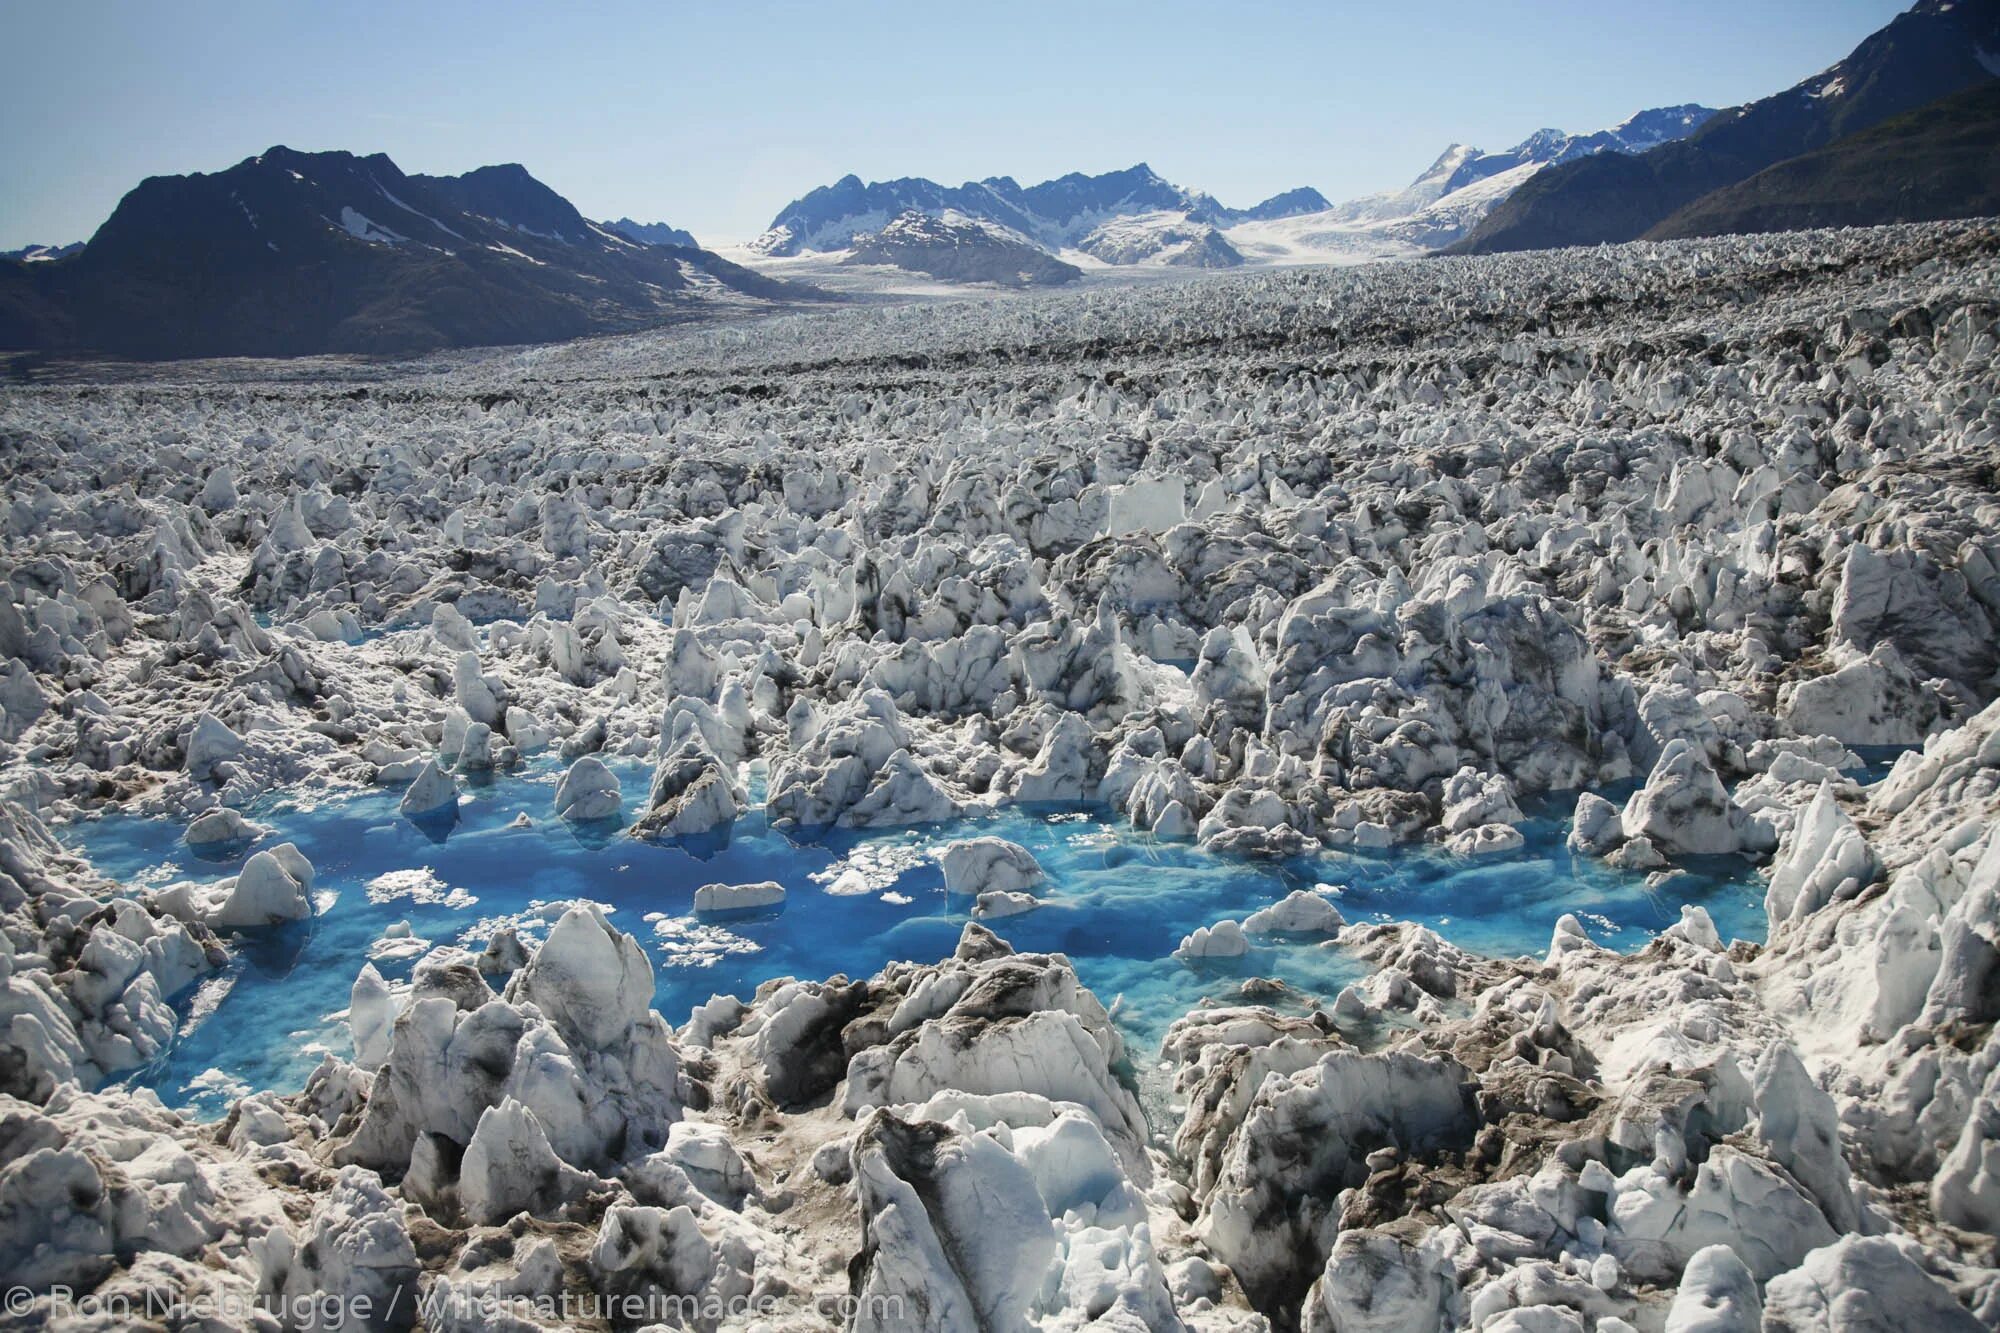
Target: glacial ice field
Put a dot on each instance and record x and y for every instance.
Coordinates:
(1117, 903)
(1448, 795)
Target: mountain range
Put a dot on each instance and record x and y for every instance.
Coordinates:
(1937, 48)
(291, 253)
(1135, 216)
(1461, 167)
(1055, 214)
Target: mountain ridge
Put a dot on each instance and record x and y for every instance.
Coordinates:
(1939, 162)
(1053, 213)
(1933, 49)
(653, 233)
(1134, 215)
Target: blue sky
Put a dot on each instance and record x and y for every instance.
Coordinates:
(712, 117)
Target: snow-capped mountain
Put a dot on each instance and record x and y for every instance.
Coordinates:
(1461, 165)
(958, 248)
(1136, 217)
(1450, 197)
(41, 254)
(1055, 214)
(1547, 147)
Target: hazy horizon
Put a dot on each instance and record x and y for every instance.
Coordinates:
(713, 121)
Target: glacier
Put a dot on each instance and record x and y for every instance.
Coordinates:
(809, 815)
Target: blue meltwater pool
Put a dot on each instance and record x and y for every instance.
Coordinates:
(1118, 902)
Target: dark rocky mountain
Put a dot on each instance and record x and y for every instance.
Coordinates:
(292, 253)
(1940, 161)
(1053, 214)
(509, 195)
(1937, 48)
(960, 249)
(652, 233)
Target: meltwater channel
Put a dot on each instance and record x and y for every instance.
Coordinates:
(1118, 901)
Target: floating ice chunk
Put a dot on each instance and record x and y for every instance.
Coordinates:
(587, 791)
(220, 825)
(973, 866)
(1594, 829)
(738, 897)
(1224, 939)
(433, 794)
(1684, 809)
(1301, 912)
(849, 883)
(997, 903)
(270, 889)
(1485, 839)
(1636, 854)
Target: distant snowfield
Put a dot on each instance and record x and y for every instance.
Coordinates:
(826, 270)
(832, 273)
